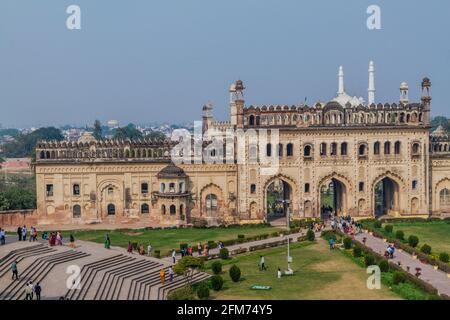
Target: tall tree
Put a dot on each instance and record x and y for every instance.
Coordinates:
(128, 132)
(98, 134)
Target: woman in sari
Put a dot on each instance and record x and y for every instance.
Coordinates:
(130, 247)
(72, 241)
(162, 276)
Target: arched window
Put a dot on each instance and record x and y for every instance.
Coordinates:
(211, 202)
(42, 155)
(251, 120)
(76, 189)
(172, 187)
(111, 209)
(387, 147)
(333, 149)
(290, 150)
(258, 120)
(162, 188)
(376, 148)
(344, 149)
(163, 209)
(444, 199)
(173, 209)
(362, 150)
(269, 150)
(110, 191)
(323, 149)
(307, 151)
(397, 147)
(280, 150)
(145, 208)
(414, 184)
(181, 187)
(181, 209)
(252, 188)
(76, 211)
(144, 188)
(253, 152)
(361, 186)
(415, 149)
(307, 187)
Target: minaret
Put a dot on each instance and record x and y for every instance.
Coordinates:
(236, 102)
(341, 89)
(404, 93)
(207, 116)
(371, 90)
(426, 99)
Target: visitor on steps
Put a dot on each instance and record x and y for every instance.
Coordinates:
(37, 291)
(28, 292)
(170, 274)
(162, 276)
(14, 270)
(130, 247)
(30, 284)
(59, 239)
(107, 241)
(149, 250)
(19, 233)
(24, 233)
(72, 241)
(142, 250)
(174, 256)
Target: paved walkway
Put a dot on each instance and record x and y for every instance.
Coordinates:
(437, 278)
(247, 245)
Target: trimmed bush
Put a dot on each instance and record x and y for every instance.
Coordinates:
(384, 265)
(377, 224)
(347, 243)
(203, 291)
(369, 260)
(443, 256)
(413, 241)
(241, 236)
(183, 246)
(388, 228)
(400, 235)
(216, 267)
(185, 293)
(224, 253)
(357, 251)
(426, 249)
(398, 277)
(157, 254)
(235, 273)
(310, 236)
(212, 244)
(216, 282)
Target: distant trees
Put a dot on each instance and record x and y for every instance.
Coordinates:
(128, 132)
(24, 144)
(98, 132)
(16, 198)
(440, 120)
(156, 135)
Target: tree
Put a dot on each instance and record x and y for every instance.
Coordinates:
(440, 121)
(98, 134)
(16, 198)
(156, 135)
(4, 203)
(186, 267)
(128, 132)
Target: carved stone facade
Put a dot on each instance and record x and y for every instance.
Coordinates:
(355, 149)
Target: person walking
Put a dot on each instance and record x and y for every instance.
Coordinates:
(37, 291)
(28, 292)
(31, 234)
(71, 241)
(24, 233)
(130, 247)
(149, 250)
(30, 284)
(170, 274)
(262, 263)
(15, 271)
(331, 242)
(162, 276)
(279, 273)
(174, 256)
(19, 233)
(2, 237)
(199, 249)
(107, 241)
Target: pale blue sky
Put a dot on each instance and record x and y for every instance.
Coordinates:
(145, 60)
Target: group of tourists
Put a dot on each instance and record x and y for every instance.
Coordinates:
(22, 232)
(162, 275)
(389, 253)
(55, 239)
(347, 225)
(32, 290)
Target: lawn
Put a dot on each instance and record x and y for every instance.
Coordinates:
(168, 239)
(319, 274)
(434, 233)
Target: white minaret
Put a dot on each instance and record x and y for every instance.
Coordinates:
(341, 80)
(371, 90)
(404, 93)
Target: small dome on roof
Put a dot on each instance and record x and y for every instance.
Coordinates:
(403, 85)
(171, 171)
(439, 132)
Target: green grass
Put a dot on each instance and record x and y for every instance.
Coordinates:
(319, 274)
(168, 239)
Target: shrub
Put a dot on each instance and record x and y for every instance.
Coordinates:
(377, 224)
(413, 241)
(203, 291)
(241, 236)
(217, 283)
(357, 251)
(275, 234)
(388, 228)
(443, 256)
(235, 273)
(310, 236)
(224, 253)
(398, 277)
(157, 254)
(212, 244)
(347, 243)
(216, 267)
(184, 293)
(183, 246)
(369, 260)
(384, 265)
(400, 235)
(426, 249)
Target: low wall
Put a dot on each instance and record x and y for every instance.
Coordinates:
(15, 218)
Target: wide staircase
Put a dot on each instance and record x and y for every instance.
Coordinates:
(103, 274)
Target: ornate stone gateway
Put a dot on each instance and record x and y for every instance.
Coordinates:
(278, 199)
(386, 197)
(333, 194)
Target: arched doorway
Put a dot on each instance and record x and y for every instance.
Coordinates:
(211, 205)
(278, 199)
(333, 198)
(386, 193)
(111, 209)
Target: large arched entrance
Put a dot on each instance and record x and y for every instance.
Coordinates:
(278, 200)
(387, 197)
(333, 198)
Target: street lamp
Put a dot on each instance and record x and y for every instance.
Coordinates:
(288, 217)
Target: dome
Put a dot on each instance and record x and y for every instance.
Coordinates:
(239, 85)
(439, 132)
(344, 98)
(403, 85)
(171, 171)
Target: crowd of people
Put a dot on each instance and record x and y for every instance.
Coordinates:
(22, 233)
(346, 224)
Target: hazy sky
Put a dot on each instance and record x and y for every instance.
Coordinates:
(144, 60)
